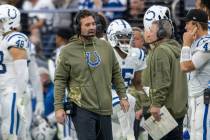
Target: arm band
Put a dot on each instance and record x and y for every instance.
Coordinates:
(21, 71)
(185, 54)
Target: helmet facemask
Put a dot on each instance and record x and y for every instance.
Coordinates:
(119, 34)
(3, 21)
(124, 41)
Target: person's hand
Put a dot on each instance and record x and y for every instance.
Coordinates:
(155, 111)
(60, 116)
(189, 37)
(39, 108)
(139, 114)
(124, 105)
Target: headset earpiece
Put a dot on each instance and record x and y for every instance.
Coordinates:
(161, 33)
(77, 23)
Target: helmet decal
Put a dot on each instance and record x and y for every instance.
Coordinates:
(12, 16)
(149, 18)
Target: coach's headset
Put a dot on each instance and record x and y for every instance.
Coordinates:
(77, 22)
(162, 33)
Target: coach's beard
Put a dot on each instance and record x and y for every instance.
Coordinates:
(89, 34)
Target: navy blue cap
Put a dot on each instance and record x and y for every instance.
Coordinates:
(196, 15)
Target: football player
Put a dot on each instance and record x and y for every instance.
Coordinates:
(195, 60)
(14, 75)
(131, 60)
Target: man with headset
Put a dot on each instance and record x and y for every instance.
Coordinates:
(166, 84)
(87, 67)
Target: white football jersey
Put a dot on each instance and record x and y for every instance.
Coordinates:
(7, 72)
(198, 79)
(134, 61)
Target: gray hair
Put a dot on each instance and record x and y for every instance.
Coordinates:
(138, 30)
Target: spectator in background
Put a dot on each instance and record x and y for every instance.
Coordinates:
(198, 4)
(41, 24)
(114, 4)
(90, 4)
(3, 1)
(135, 13)
(64, 19)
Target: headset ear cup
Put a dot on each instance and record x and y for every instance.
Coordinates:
(77, 23)
(161, 33)
(78, 28)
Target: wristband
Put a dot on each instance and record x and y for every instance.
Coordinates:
(185, 54)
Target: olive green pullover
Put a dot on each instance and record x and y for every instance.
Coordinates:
(88, 87)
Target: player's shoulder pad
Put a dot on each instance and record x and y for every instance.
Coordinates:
(138, 53)
(203, 43)
(18, 40)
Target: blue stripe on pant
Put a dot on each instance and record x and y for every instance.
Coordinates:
(12, 116)
(205, 122)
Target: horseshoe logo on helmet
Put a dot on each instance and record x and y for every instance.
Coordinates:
(151, 15)
(12, 15)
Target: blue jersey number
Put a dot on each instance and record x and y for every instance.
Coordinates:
(206, 47)
(20, 43)
(126, 77)
(2, 66)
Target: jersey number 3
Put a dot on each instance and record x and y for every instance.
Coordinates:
(2, 66)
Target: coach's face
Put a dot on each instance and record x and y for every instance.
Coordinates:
(88, 27)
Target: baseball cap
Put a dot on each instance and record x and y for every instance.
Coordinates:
(196, 15)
